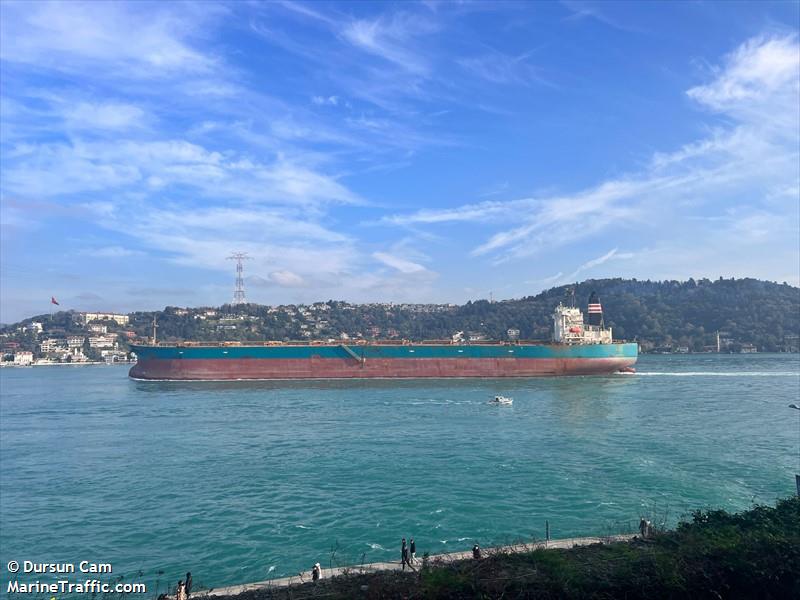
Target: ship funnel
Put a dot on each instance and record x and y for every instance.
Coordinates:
(595, 310)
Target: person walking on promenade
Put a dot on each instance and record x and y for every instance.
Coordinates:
(404, 555)
(188, 584)
(412, 548)
(180, 594)
(476, 552)
(645, 527)
(315, 572)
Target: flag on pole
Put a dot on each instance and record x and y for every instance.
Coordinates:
(54, 301)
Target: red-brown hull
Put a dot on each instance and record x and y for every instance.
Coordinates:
(233, 369)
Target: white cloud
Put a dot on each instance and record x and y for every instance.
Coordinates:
(57, 169)
(750, 160)
(104, 115)
(149, 39)
(497, 67)
(394, 39)
(111, 252)
(753, 74)
(396, 262)
(322, 100)
(287, 279)
(596, 262)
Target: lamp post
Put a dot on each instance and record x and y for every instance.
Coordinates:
(797, 475)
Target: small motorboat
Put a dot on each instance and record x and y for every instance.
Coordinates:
(501, 400)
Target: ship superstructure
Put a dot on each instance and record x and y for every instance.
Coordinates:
(569, 327)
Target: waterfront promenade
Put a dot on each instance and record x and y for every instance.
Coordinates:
(305, 577)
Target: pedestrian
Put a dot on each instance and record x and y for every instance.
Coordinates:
(412, 547)
(315, 572)
(476, 552)
(404, 555)
(188, 584)
(180, 594)
(645, 527)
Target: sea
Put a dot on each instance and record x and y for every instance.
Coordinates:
(243, 481)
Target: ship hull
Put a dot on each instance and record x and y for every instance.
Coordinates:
(192, 363)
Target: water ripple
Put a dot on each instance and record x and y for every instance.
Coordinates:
(236, 481)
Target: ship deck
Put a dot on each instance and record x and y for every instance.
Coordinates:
(357, 343)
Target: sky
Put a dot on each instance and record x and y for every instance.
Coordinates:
(405, 152)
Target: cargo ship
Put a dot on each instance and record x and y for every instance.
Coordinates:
(577, 348)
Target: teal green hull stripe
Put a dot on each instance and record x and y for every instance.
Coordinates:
(367, 352)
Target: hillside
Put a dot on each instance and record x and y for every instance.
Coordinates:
(666, 315)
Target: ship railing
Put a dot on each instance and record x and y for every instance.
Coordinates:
(404, 342)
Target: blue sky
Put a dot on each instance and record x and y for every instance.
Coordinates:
(427, 152)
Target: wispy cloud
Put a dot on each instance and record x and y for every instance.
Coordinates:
(398, 262)
(393, 39)
(287, 279)
(104, 115)
(755, 153)
(57, 169)
(322, 100)
(596, 262)
(593, 10)
(148, 40)
(498, 67)
(111, 252)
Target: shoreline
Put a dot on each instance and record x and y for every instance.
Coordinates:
(367, 568)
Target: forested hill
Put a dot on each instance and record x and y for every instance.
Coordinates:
(656, 314)
(745, 311)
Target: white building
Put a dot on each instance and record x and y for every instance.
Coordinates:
(23, 358)
(120, 319)
(103, 341)
(112, 355)
(50, 345)
(79, 356)
(97, 328)
(75, 341)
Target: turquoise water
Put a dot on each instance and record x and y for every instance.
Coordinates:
(242, 481)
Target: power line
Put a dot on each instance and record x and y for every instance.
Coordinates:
(238, 290)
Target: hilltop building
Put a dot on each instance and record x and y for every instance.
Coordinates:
(119, 318)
